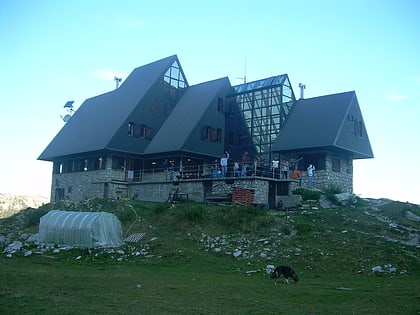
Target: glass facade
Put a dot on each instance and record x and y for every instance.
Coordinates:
(264, 106)
(174, 77)
(175, 84)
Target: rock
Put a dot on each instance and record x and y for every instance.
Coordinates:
(346, 199)
(13, 247)
(393, 226)
(34, 238)
(249, 272)
(237, 253)
(345, 289)
(325, 203)
(388, 268)
(377, 269)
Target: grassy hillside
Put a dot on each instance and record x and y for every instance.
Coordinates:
(197, 259)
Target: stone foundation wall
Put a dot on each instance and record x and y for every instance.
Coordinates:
(86, 185)
(325, 178)
(259, 186)
(159, 192)
(112, 184)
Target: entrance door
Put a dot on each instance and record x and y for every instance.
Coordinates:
(59, 194)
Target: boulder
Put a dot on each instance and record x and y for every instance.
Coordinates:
(346, 199)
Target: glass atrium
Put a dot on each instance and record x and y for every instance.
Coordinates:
(264, 106)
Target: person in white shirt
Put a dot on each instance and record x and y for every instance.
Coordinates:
(310, 169)
(224, 163)
(275, 166)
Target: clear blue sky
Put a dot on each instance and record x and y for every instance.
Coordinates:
(55, 51)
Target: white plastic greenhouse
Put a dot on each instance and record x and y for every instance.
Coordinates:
(81, 229)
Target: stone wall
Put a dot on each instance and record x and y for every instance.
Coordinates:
(342, 179)
(159, 191)
(86, 185)
(112, 184)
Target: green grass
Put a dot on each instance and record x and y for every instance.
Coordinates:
(331, 250)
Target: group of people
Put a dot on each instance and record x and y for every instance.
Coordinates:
(280, 169)
(239, 168)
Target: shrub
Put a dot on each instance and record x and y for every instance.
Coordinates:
(330, 193)
(127, 215)
(307, 194)
(285, 229)
(32, 219)
(303, 228)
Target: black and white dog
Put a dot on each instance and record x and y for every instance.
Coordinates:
(287, 272)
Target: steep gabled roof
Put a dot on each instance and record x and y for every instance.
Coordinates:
(330, 121)
(178, 128)
(96, 121)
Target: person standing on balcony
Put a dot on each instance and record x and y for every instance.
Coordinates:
(165, 168)
(224, 163)
(275, 166)
(285, 169)
(236, 169)
(244, 163)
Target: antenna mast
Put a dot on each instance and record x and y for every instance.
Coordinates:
(245, 70)
(244, 77)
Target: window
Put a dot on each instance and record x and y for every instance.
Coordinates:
(139, 131)
(206, 133)
(100, 163)
(117, 163)
(211, 134)
(219, 135)
(133, 130)
(336, 165)
(221, 105)
(145, 132)
(358, 128)
(316, 159)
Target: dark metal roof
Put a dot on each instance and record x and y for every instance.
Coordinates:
(96, 121)
(186, 117)
(325, 122)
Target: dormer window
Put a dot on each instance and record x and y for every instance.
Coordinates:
(133, 130)
(139, 131)
(209, 133)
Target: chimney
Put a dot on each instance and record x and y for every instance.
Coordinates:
(302, 87)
